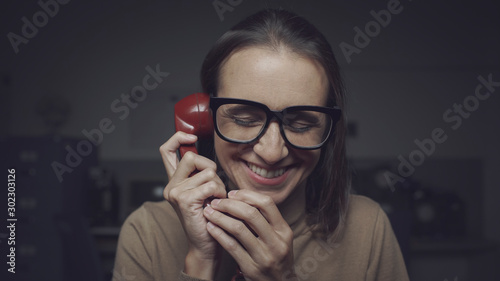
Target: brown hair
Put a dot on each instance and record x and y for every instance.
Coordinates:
(328, 187)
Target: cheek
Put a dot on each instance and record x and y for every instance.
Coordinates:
(310, 160)
(225, 152)
(218, 144)
(220, 151)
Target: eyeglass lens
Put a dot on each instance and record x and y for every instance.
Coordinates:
(302, 128)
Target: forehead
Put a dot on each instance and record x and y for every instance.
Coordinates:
(277, 78)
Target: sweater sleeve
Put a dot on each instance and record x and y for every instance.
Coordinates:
(184, 277)
(136, 253)
(386, 261)
(133, 253)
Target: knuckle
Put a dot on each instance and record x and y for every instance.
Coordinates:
(282, 249)
(170, 194)
(267, 262)
(210, 186)
(183, 197)
(287, 235)
(213, 166)
(210, 173)
(214, 186)
(189, 156)
(239, 228)
(232, 245)
(254, 273)
(267, 201)
(162, 148)
(167, 191)
(254, 214)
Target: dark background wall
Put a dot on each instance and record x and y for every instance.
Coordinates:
(401, 84)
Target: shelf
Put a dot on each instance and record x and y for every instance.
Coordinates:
(451, 246)
(105, 231)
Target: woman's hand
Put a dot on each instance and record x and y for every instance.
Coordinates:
(249, 226)
(187, 193)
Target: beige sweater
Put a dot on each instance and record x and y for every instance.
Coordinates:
(152, 246)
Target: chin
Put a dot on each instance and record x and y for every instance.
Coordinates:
(278, 195)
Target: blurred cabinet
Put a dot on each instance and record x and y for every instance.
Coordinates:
(436, 214)
(106, 239)
(52, 241)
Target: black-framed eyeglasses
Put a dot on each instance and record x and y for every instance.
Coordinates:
(244, 121)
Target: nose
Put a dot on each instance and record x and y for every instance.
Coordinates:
(271, 146)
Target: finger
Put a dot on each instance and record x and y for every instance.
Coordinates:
(168, 150)
(199, 187)
(237, 228)
(249, 214)
(230, 244)
(190, 163)
(264, 203)
(212, 186)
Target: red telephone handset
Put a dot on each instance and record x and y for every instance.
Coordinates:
(192, 115)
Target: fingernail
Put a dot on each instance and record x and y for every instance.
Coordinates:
(232, 193)
(191, 137)
(210, 225)
(215, 202)
(209, 209)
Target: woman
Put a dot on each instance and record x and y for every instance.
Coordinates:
(277, 184)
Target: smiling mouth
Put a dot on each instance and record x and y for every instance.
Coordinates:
(269, 174)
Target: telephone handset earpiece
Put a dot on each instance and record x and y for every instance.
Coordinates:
(192, 115)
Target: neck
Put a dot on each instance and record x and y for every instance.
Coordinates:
(293, 209)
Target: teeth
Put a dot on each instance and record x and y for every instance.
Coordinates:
(265, 173)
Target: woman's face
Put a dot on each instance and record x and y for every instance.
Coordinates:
(277, 79)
